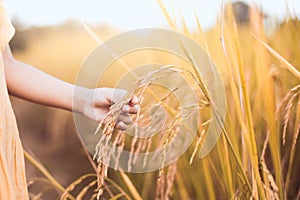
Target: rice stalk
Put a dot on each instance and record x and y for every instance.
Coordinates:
(249, 120)
(73, 185)
(170, 179)
(160, 188)
(40, 194)
(117, 196)
(265, 83)
(202, 37)
(287, 115)
(102, 151)
(167, 16)
(35, 197)
(198, 141)
(198, 79)
(31, 181)
(101, 175)
(118, 188)
(185, 27)
(269, 182)
(130, 186)
(289, 100)
(236, 100)
(83, 192)
(297, 125)
(44, 171)
(209, 182)
(226, 167)
(296, 129)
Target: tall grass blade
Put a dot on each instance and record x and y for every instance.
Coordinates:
(287, 65)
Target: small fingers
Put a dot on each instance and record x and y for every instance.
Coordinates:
(132, 109)
(125, 117)
(134, 100)
(124, 120)
(121, 125)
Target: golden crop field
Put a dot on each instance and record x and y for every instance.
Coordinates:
(256, 154)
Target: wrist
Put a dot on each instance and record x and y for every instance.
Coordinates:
(81, 98)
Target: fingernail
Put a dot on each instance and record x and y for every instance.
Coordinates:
(137, 107)
(126, 108)
(135, 99)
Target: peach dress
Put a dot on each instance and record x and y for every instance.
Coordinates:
(13, 184)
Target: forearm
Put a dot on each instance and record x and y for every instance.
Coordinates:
(28, 83)
(33, 85)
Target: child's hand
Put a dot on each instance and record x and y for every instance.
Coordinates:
(95, 105)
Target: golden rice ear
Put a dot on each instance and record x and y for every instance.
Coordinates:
(199, 140)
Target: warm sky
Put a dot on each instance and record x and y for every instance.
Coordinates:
(130, 14)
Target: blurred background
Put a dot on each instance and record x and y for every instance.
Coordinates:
(49, 36)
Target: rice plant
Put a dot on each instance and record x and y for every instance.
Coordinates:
(255, 157)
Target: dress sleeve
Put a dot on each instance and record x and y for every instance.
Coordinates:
(7, 30)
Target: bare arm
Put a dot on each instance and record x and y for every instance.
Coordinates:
(31, 84)
(28, 83)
